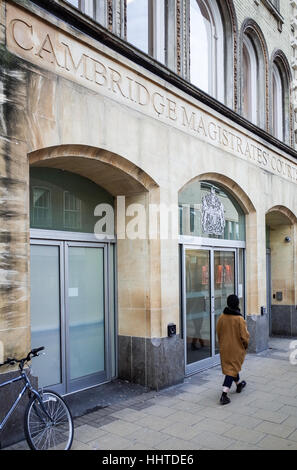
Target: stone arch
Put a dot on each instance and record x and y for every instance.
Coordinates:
(113, 172)
(281, 238)
(254, 32)
(253, 280)
(279, 56)
(120, 177)
(286, 213)
(231, 186)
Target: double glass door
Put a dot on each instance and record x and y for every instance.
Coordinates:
(211, 275)
(68, 313)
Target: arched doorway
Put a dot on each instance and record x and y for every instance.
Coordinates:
(81, 177)
(72, 282)
(280, 271)
(212, 240)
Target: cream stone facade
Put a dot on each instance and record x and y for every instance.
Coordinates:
(70, 102)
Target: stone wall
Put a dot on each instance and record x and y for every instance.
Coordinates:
(156, 131)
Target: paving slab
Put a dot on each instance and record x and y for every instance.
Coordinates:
(275, 417)
(189, 416)
(244, 434)
(275, 443)
(279, 430)
(177, 444)
(212, 441)
(249, 422)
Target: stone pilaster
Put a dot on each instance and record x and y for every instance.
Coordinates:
(294, 65)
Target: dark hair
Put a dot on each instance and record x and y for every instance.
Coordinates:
(233, 301)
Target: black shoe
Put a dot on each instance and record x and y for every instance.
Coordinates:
(224, 400)
(240, 386)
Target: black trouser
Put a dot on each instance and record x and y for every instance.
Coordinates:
(229, 380)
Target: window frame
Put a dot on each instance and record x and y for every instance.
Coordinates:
(216, 62)
(156, 27)
(279, 63)
(251, 30)
(253, 92)
(99, 10)
(35, 208)
(66, 211)
(274, 4)
(274, 9)
(277, 101)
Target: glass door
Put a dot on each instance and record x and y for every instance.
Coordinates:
(224, 284)
(268, 287)
(47, 327)
(69, 305)
(85, 307)
(198, 305)
(210, 276)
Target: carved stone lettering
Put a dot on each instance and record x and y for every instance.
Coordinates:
(52, 48)
(22, 34)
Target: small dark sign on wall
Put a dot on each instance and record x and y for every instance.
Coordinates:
(171, 330)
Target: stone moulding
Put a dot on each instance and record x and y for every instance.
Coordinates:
(59, 52)
(97, 32)
(129, 171)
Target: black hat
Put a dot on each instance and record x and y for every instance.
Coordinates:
(233, 301)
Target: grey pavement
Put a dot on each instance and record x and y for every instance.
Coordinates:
(189, 417)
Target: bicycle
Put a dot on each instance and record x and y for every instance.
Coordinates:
(48, 423)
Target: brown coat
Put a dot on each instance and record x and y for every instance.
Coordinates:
(233, 339)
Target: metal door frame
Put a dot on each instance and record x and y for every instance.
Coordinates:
(268, 288)
(84, 382)
(60, 387)
(211, 247)
(65, 240)
(236, 267)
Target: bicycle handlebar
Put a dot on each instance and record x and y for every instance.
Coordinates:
(33, 353)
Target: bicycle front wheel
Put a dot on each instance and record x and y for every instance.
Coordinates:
(48, 423)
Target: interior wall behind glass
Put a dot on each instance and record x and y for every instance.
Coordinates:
(60, 200)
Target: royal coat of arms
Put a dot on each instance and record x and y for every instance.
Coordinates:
(213, 216)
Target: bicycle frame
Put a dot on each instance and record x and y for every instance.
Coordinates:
(27, 386)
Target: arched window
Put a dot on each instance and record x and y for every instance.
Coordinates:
(249, 81)
(277, 104)
(146, 26)
(280, 96)
(254, 74)
(207, 48)
(207, 210)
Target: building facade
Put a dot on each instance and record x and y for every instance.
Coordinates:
(148, 170)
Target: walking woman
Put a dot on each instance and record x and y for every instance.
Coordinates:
(233, 339)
